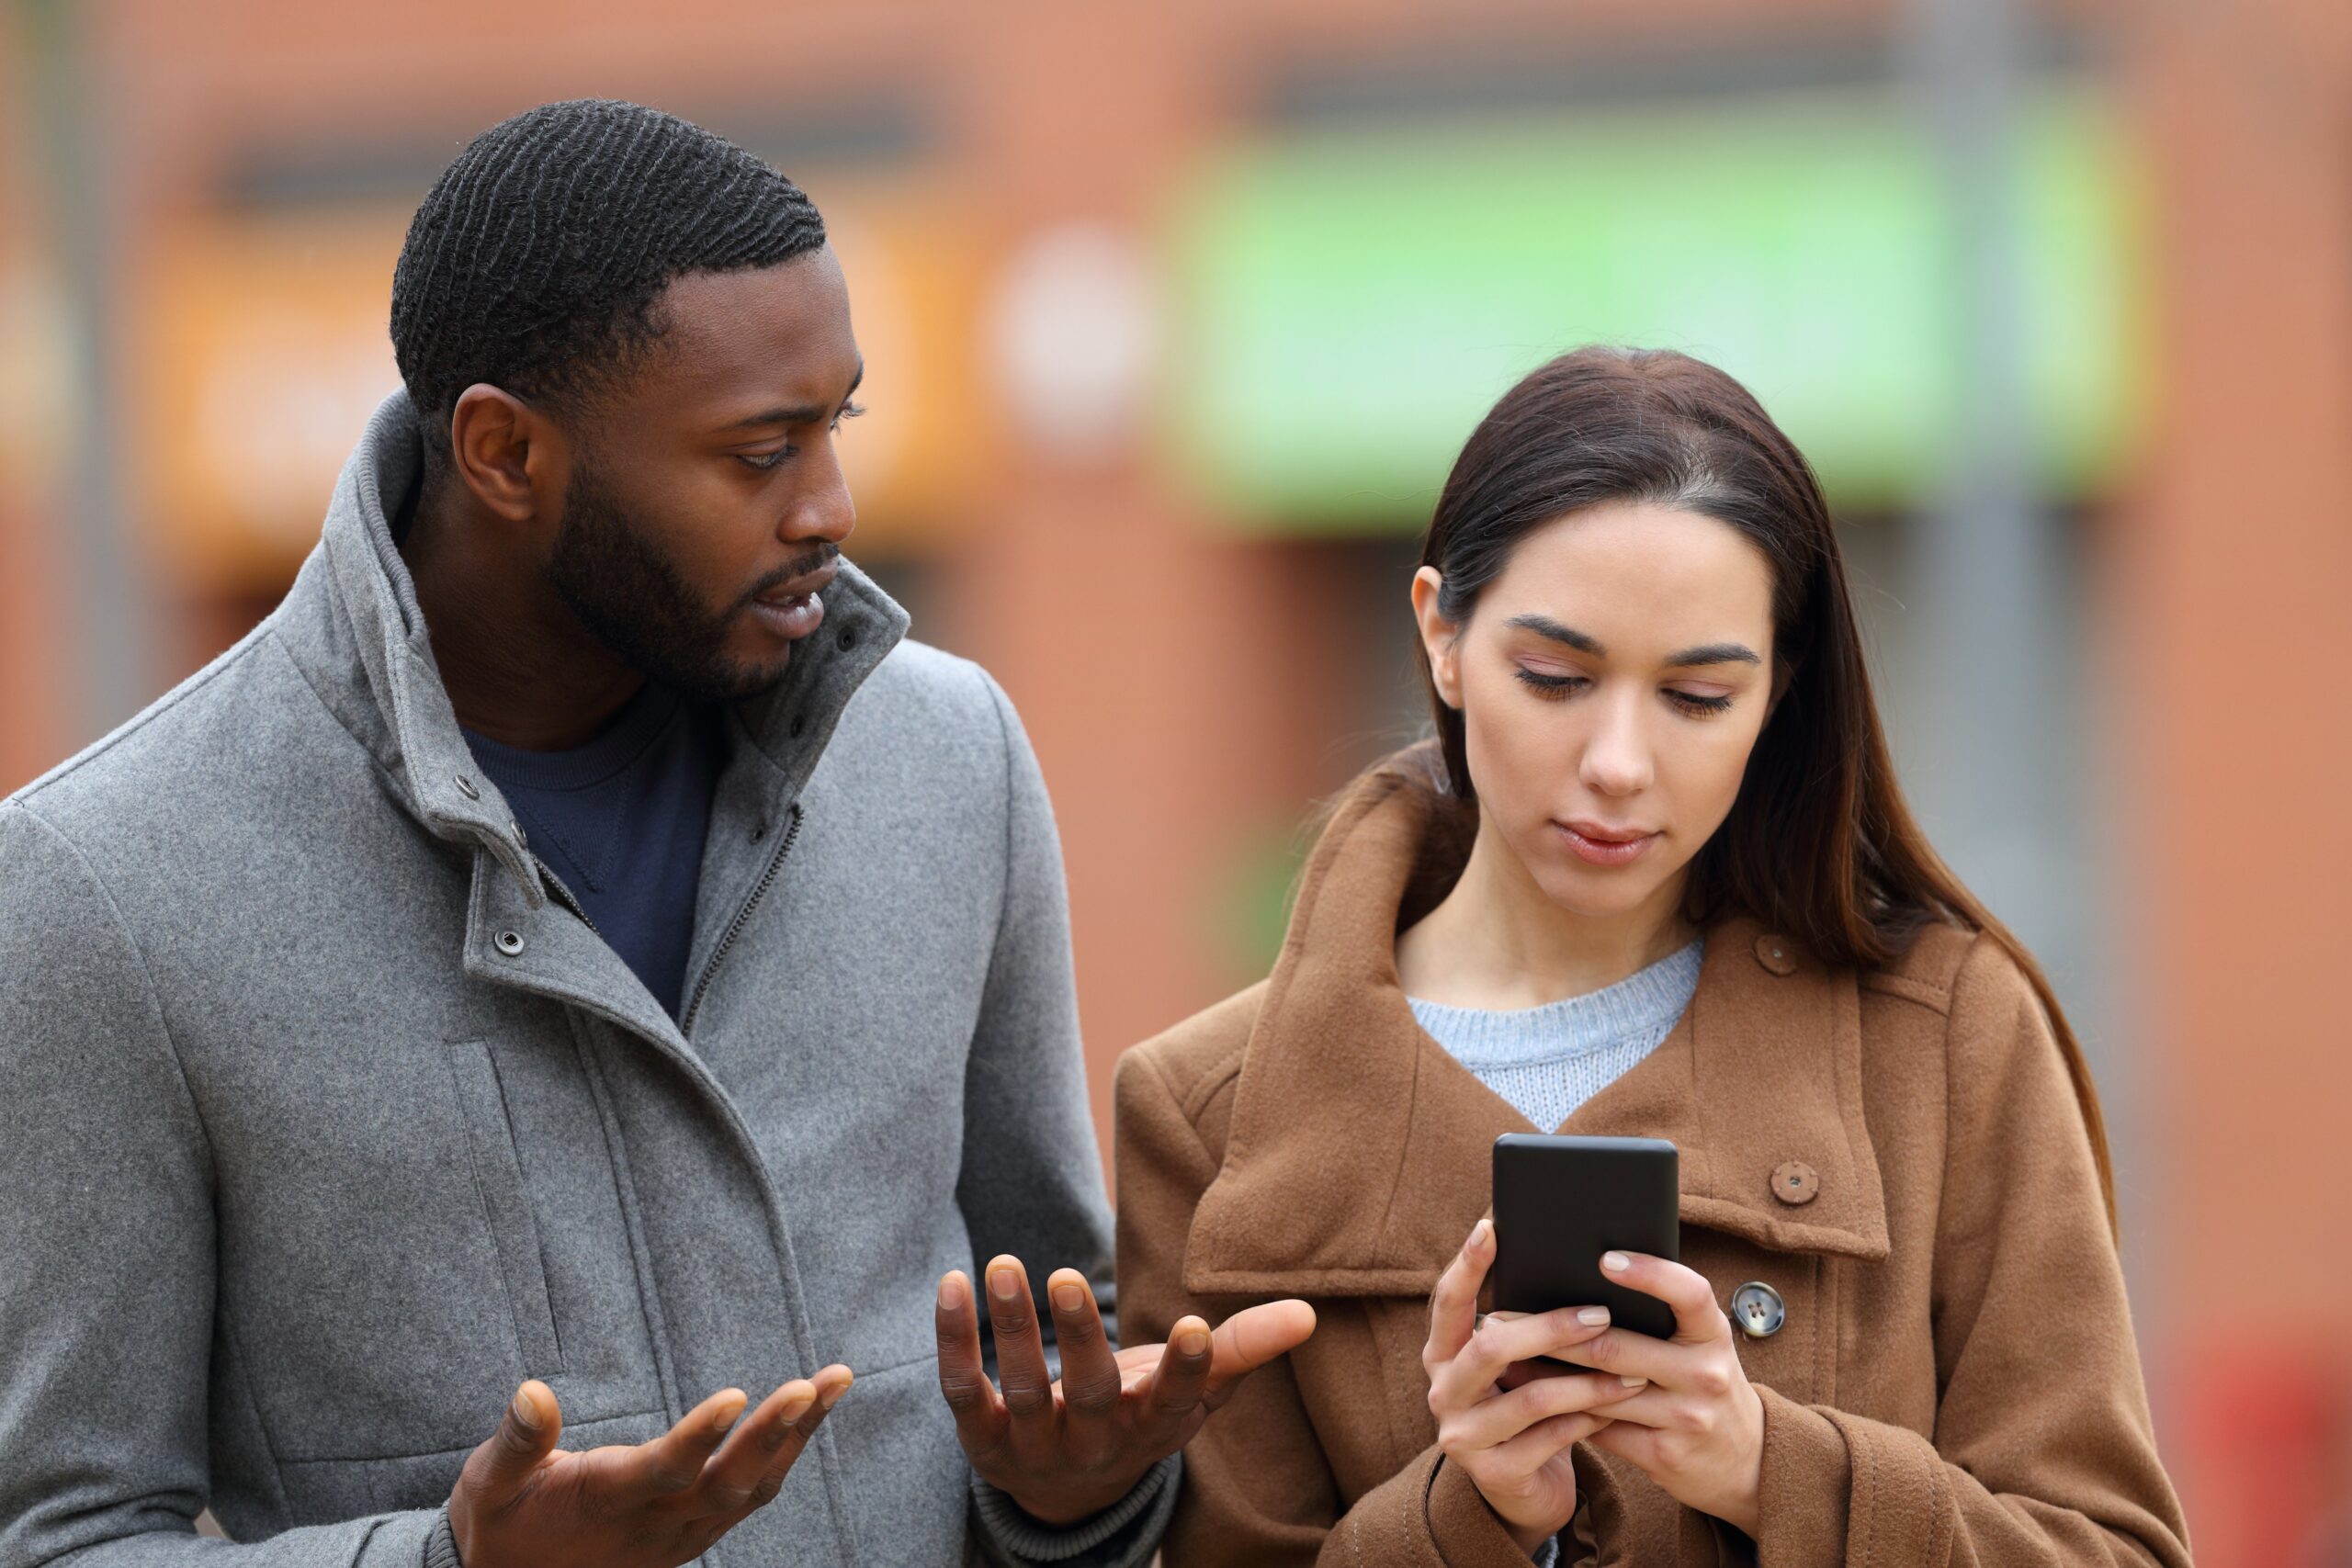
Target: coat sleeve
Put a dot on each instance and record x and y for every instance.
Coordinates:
(2043, 1453)
(1257, 1492)
(106, 1252)
(1032, 1181)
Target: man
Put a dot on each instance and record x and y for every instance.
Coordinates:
(573, 958)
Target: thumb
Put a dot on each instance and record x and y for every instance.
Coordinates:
(1254, 1335)
(527, 1434)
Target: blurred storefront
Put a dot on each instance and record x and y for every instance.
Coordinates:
(1174, 318)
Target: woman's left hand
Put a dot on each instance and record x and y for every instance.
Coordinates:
(1698, 1428)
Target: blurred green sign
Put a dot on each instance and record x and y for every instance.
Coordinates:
(1351, 303)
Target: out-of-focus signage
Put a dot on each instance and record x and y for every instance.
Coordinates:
(1352, 302)
(258, 346)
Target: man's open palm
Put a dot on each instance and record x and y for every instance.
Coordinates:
(1066, 1449)
(522, 1502)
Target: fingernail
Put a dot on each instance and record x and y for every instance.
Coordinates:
(1480, 1232)
(1194, 1342)
(1615, 1262)
(525, 1413)
(793, 1410)
(727, 1420)
(1594, 1316)
(1068, 1297)
(1634, 1383)
(1002, 1285)
(832, 1395)
(951, 1291)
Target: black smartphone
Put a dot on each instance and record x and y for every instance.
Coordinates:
(1560, 1202)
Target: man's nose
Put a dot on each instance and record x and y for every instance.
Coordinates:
(823, 510)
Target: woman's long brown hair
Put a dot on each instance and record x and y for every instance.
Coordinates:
(1819, 842)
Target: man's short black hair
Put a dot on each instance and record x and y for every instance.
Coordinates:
(535, 262)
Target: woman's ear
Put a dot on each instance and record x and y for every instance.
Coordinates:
(1440, 638)
(1785, 675)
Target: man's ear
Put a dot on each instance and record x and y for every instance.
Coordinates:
(1439, 636)
(506, 452)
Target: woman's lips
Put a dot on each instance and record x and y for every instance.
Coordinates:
(791, 617)
(1600, 845)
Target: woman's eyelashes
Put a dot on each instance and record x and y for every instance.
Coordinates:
(1550, 685)
(1554, 688)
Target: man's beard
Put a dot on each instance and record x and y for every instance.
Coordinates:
(635, 602)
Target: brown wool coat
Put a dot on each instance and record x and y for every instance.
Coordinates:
(1898, 1152)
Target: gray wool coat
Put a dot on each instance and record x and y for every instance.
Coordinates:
(325, 1122)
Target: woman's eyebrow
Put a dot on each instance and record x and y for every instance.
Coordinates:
(1714, 653)
(1551, 630)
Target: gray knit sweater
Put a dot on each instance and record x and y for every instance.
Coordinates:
(1548, 1060)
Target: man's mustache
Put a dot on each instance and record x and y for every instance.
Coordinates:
(824, 554)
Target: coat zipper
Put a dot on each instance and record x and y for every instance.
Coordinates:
(735, 926)
(562, 894)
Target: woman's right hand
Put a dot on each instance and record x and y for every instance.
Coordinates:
(1509, 1425)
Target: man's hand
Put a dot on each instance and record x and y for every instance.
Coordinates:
(1067, 1451)
(520, 1502)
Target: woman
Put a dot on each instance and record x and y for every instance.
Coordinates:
(1654, 877)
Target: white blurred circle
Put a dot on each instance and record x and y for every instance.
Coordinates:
(1073, 333)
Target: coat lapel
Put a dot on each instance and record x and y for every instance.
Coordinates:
(1359, 1155)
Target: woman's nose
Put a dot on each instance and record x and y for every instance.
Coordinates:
(1617, 757)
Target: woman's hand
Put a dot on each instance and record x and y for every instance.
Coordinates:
(1509, 1425)
(1697, 1429)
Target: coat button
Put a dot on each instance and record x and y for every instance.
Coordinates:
(1758, 1309)
(509, 942)
(1773, 952)
(465, 787)
(1796, 1182)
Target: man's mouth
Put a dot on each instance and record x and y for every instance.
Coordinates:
(792, 609)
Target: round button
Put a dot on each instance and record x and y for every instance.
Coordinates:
(1758, 1309)
(509, 942)
(465, 787)
(1796, 1182)
(1775, 954)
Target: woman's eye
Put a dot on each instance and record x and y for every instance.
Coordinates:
(763, 461)
(1549, 686)
(1693, 703)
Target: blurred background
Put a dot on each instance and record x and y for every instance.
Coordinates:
(1175, 316)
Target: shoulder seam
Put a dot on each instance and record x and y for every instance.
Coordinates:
(146, 972)
(1935, 999)
(234, 654)
(1226, 1068)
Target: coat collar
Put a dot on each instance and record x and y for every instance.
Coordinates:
(353, 624)
(1359, 1151)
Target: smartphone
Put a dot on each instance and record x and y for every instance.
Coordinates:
(1560, 1202)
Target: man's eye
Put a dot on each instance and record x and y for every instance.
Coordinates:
(763, 460)
(849, 411)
